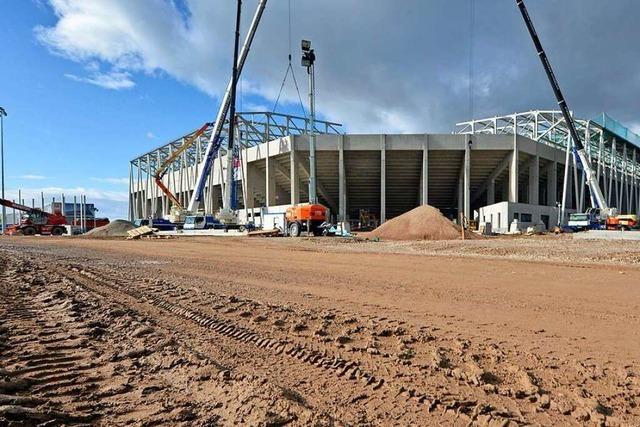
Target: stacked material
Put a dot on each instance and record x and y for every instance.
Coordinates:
(422, 223)
(117, 228)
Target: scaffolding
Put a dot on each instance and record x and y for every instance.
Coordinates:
(611, 148)
(252, 128)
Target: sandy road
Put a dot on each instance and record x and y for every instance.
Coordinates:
(372, 333)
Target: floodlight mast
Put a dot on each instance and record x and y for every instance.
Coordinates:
(214, 141)
(308, 60)
(594, 185)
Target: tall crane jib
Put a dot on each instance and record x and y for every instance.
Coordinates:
(579, 149)
(215, 140)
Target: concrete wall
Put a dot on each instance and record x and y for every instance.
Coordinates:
(386, 174)
(501, 215)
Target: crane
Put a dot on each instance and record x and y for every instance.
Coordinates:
(597, 198)
(215, 140)
(177, 210)
(37, 221)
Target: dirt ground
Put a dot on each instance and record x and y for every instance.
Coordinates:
(229, 331)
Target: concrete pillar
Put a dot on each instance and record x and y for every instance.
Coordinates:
(295, 173)
(552, 183)
(270, 179)
(342, 183)
(383, 179)
(570, 201)
(534, 181)
(424, 179)
(513, 172)
(215, 195)
(467, 179)
(253, 179)
(460, 193)
(491, 192)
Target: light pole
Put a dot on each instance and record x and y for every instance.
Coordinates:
(3, 114)
(308, 59)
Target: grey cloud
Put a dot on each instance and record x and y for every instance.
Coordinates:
(383, 66)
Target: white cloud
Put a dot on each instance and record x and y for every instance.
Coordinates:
(387, 67)
(32, 177)
(151, 135)
(115, 80)
(120, 181)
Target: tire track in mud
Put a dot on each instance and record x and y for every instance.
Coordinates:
(57, 369)
(467, 377)
(52, 374)
(447, 404)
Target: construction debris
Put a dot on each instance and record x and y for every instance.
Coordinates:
(265, 233)
(136, 233)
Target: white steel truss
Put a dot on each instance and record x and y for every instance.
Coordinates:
(252, 128)
(611, 147)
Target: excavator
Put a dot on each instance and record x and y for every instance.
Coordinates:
(36, 221)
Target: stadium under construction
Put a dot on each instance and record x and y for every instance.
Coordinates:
(496, 169)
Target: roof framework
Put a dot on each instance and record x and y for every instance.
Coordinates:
(253, 128)
(607, 146)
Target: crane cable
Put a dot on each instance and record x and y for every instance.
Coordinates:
(293, 75)
(471, 58)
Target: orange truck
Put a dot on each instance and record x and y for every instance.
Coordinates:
(622, 222)
(305, 217)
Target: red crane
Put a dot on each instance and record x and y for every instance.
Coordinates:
(36, 221)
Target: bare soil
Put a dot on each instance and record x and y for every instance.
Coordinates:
(117, 228)
(228, 331)
(421, 223)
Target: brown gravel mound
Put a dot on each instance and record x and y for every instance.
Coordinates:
(422, 223)
(117, 228)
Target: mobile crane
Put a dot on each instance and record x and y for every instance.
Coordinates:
(601, 212)
(36, 221)
(227, 215)
(178, 212)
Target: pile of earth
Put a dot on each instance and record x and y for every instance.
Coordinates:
(422, 223)
(116, 228)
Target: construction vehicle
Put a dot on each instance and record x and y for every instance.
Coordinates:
(36, 221)
(592, 219)
(305, 217)
(367, 221)
(178, 212)
(227, 214)
(601, 214)
(159, 224)
(622, 222)
(202, 222)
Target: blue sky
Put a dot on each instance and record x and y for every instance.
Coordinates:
(88, 85)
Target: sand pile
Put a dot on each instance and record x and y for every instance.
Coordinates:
(117, 228)
(422, 223)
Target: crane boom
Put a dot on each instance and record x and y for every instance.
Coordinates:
(19, 207)
(162, 170)
(594, 185)
(214, 141)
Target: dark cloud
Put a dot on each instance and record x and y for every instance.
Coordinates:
(383, 65)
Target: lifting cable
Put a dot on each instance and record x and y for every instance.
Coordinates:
(471, 58)
(293, 75)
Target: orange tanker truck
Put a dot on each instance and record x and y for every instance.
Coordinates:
(305, 217)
